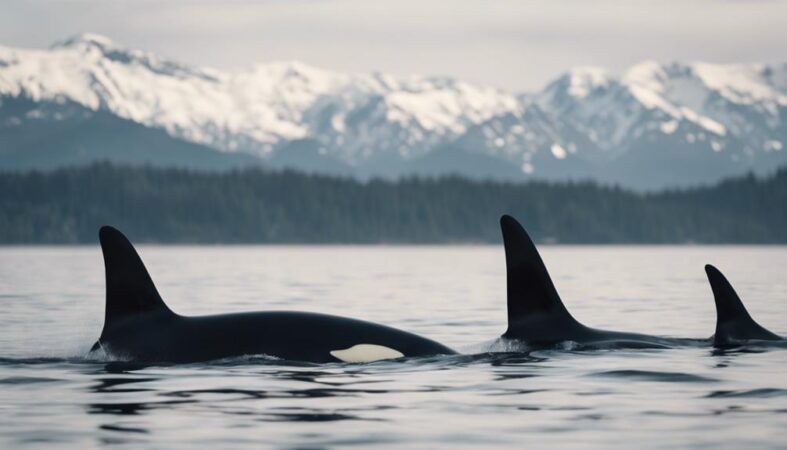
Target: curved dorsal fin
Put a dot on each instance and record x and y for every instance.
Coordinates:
(529, 287)
(733, 322)
(129, 287)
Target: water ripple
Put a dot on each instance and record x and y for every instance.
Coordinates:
(646, 375)
(757, 393)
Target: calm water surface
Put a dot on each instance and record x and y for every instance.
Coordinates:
(52, 311)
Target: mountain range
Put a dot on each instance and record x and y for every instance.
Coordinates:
(655, 126)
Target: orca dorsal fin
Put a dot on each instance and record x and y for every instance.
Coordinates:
(733, 322)
(530, 291)
(130, 289)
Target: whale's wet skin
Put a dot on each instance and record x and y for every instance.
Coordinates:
(140, 327)
(565, 397)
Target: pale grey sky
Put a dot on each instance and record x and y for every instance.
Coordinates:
(518, 45)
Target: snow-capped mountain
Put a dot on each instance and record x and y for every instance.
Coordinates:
(656, 125)
(708, 102)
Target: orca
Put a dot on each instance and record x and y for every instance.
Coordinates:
(537, 315)
(734, 325)
(139, 327)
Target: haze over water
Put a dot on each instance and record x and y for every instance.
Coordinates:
(53, 306)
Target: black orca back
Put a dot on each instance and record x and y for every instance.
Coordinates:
(130, 290)
(733, 322)
(139, 326)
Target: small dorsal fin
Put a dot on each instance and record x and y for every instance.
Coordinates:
(530, 288)
(733, 322)
(130, 290)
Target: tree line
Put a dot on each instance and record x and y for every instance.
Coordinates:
(68, 205)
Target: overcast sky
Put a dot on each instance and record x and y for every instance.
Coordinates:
(518, 45)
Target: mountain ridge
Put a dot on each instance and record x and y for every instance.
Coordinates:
(716, 120)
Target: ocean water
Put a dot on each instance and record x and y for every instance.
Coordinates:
(52, 396)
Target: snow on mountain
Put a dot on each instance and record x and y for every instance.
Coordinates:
(408, 117)
(741, 108)
(579, 125)
(254, 110)
(581, 81)
(718, 104)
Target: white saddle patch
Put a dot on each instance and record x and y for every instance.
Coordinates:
(362, 353)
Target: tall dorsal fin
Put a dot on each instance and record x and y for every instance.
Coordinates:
(531, 292)
(129, 287)
(733, 322)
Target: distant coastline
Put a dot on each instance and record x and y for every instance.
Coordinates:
(68, 205)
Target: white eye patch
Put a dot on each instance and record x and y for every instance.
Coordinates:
(362, 353)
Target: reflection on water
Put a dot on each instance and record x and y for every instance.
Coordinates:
(691, 396)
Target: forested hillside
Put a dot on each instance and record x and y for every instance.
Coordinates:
(257, 206)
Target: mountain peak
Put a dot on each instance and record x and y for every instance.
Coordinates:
(741, 83)
(583, 80)
(727, 115)
(579, 82)
(85, 40)
(649, 74)
(282, 69)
